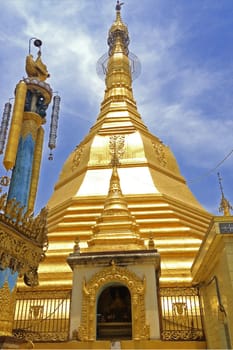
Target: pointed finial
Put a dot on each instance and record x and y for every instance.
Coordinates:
(151, 243)
(76, 246)
(225, 205)
(220, 183)
(118, 5)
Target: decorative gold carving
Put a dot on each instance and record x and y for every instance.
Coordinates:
(34, 228)
(36, 68)
(40, 336)
(23, 239)
(7, 304)
(181, 314)
(160, 153)
(77, 156)
(91, 289)
(20, 255)
(179, 308)
(168, 292)
(42, 315)
(43, 295)
(36, 312)
(116, 148)
(181, 335)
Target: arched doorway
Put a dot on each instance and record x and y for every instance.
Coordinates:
(113, 276)
(114, 318)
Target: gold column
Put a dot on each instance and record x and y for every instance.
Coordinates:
(36, 168)
(16, 125)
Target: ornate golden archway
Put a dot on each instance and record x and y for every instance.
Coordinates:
(113, 274)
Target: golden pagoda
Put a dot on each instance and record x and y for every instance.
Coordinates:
(156, 192)
(123, 229)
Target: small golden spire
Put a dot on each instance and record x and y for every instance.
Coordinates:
(116, 228)
(118, 24)
(118, 31)
(115, 202)
(225, 205)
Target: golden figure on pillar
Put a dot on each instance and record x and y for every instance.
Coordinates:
(36, 68)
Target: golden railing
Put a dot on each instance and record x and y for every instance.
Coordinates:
(42, 316)
(181, 314)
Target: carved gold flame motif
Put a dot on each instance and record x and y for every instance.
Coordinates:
(7, 304)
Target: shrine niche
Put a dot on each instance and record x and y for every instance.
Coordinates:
(114, 317)
(123, 316)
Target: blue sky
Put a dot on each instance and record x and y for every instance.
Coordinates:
(184, 93)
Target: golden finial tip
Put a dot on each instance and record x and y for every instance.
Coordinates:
(225, 205)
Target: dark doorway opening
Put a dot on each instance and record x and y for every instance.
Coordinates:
(114, 320)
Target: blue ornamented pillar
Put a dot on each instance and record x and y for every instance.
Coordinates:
(22, 172)
(24, 176)
(22, 237)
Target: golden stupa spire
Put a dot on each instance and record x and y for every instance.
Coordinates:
(118, 99)
(225, 205)
(116, 228)
(115, 202)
